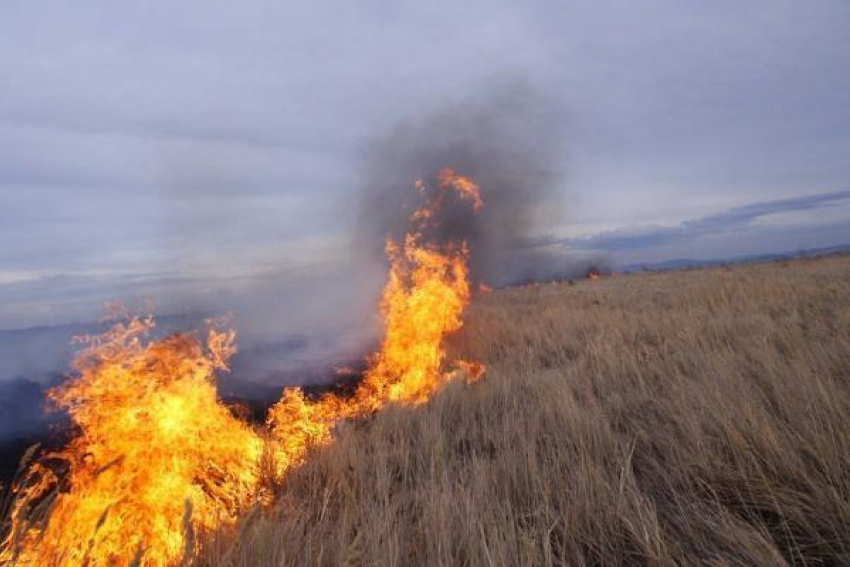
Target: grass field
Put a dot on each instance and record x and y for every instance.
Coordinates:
(684, 418)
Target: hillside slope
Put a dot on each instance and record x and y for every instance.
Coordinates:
(696, 417)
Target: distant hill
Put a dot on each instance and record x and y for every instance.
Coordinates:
(682, 263)
(22, 404)
(23, 420)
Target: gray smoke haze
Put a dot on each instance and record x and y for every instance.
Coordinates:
(511, 140)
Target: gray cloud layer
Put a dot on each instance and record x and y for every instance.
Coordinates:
(734, 219)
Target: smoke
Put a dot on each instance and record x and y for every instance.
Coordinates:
(508, 137)
(511, 141)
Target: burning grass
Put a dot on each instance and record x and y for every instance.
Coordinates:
(157, 460)
(683, 418)
(657, 419)
(154, 443)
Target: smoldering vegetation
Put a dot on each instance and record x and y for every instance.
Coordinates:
(681, 418)
(511, 141)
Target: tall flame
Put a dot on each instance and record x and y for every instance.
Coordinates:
(158, 457)
(426, 291)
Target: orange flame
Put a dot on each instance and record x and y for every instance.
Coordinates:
(447, 179)
(159, 459)
(154, 440)
(424, 297)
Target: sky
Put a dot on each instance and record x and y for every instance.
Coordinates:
(201, 153)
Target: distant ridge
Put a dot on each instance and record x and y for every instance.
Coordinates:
(681, 263)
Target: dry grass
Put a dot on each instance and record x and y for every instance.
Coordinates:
(684, 418)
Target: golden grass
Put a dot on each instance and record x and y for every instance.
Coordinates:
(696, 417)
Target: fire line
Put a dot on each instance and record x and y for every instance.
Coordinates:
(157, 457)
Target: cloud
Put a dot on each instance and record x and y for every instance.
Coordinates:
(723, 223)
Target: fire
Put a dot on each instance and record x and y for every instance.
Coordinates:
(158, 458)
(426, 291)
(154, 441)
(447, 179)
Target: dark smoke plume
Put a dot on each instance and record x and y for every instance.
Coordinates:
(511, 142)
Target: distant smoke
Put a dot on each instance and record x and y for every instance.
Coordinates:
(538, 265)
(511, 142)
